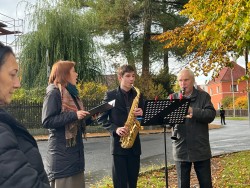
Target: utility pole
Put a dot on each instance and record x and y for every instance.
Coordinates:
(232, 88)
(248, 92)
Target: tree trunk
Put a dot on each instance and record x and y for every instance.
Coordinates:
(128, 47)
(146, 38)
(165, 56)
(165, 61)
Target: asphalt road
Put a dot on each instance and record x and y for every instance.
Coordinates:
(232, 137)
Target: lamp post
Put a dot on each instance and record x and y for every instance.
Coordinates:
(247, 73)
(232, 88)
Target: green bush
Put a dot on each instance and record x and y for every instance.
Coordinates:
(35, 95)
(150, 89)
(91, 91)
(228, 102)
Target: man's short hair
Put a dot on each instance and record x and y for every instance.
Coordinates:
(125, 68)
(191, 73)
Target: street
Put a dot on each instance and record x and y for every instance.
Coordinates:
(230, 138)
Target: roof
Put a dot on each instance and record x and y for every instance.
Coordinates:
(225, 74)
(6, 31)
(2, 24)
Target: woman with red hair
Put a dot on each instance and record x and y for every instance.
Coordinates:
(64, 116)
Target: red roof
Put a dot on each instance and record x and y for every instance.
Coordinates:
(225, 74)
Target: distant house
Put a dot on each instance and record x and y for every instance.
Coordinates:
(226, 85)
(202, 87)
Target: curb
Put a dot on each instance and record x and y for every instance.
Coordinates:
(106, 134)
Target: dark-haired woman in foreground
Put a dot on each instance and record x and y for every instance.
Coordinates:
(20, 160)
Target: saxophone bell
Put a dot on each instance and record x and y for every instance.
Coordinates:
(174, 133)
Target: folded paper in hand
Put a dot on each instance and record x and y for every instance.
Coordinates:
(102, 108)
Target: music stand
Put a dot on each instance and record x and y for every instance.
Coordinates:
(163, 112)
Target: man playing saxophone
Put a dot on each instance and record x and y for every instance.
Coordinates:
(121, 122)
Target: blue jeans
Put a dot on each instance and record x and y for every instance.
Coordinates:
(202, 169)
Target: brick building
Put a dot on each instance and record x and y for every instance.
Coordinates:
(226, 85)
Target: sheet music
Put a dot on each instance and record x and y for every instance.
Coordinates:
(102, 108)
(165, 111)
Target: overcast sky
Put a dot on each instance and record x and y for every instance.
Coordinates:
(12, 13)
(15, 10)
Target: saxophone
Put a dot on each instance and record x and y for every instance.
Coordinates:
(132, 124)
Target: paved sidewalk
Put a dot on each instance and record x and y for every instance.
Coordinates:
(105, 134)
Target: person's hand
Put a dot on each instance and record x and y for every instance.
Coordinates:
(190, 112)
(138, 112)
(81, 114)
(95, 116)
(122, 131)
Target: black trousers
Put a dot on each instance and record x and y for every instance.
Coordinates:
(222, 119)
(125, 170)
(202, 169)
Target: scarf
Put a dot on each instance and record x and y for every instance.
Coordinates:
(72, 89)
(69, 105)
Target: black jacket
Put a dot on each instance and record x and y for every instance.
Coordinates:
(20, 161)
(193, 137)
(222, 112)
(116, 117)
(61, 161)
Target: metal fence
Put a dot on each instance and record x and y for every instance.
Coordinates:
(238, 113)
(30, 114)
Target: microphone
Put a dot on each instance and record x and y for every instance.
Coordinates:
(182, 93)
(156, 98)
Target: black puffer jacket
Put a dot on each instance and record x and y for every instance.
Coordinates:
(20, 161)
(61, 161)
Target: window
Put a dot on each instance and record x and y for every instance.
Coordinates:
(211, 91)
(217, 89)
(234, 88)
(218, 105)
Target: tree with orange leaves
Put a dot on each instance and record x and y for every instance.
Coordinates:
(215, 28)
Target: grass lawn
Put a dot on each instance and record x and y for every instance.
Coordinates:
(228, 171)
